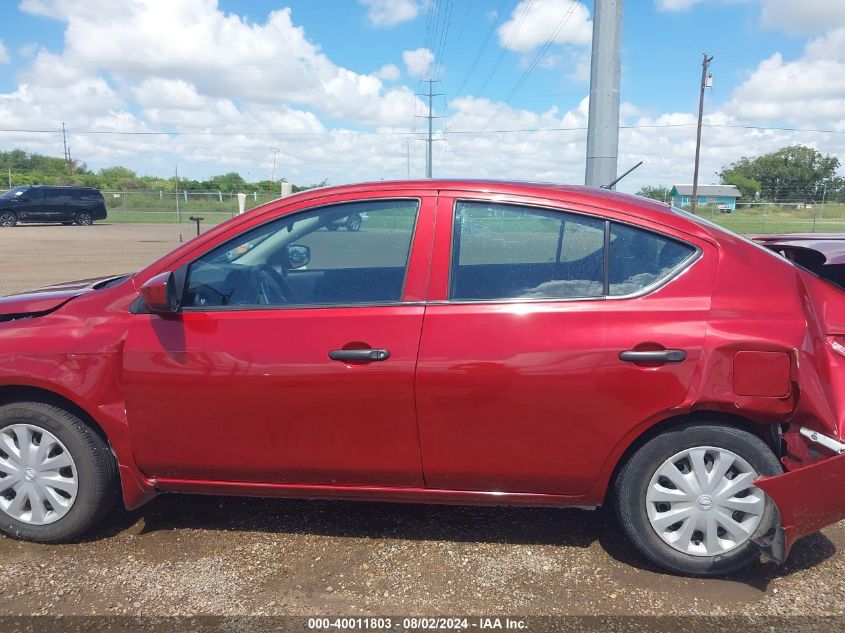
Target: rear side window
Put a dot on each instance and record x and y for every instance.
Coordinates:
(514, 252)
(641, 258)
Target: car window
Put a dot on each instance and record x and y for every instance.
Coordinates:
(640, 258)
(345, 254)
(33, 194)
(502, 252)
(514, 252)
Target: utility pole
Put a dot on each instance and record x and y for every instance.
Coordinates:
(64, 142)
(178, 213)
(430, 94)
(605, 76)
(706, 79)
(275, 151)
(407, 158)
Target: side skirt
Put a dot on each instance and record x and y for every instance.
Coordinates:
(370, 493)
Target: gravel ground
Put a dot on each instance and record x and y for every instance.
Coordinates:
(183, 555)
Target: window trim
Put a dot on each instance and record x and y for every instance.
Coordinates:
(673, 274)
(308, 306)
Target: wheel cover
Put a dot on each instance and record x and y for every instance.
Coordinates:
(7, 219)
(84, 219)
(38, 477)
(702, 501)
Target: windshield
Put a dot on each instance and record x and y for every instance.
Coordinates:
(13, 193)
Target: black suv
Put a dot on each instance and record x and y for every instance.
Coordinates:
(42, 203)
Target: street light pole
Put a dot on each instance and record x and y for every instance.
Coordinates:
(705, 65)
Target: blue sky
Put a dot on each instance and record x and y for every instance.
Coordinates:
(329, 70)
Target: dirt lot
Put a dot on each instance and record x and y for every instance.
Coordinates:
(204, 555)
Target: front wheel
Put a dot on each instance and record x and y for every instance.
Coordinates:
(57, 475)
(84, 219)
(353, 223)
(8, 219)
(686, 498)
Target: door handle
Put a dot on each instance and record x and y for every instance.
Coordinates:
(360, 354)
(653, 356)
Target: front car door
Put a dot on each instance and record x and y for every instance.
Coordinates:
(520, 384)
(293, 359)
(30, 207)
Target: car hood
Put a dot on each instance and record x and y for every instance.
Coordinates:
(43, 300)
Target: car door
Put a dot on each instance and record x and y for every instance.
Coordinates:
(293, 359)
(30, 207)
(520, 383)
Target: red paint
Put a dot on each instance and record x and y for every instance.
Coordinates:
(520, 402)
(764, 374)
(808, 498)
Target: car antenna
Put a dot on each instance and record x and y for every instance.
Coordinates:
(610, 185)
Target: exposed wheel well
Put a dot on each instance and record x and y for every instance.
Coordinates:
(767, 433)
(15, 393)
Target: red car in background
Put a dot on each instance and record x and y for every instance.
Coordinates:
(475, 342)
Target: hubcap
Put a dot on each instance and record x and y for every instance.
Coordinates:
(38, 482)
(702, 501)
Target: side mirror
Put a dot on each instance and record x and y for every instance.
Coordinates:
(160, 295)
(299, 255)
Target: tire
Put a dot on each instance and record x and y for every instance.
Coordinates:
(8, 219)
(353, 222)
(92, 466)
(641, 487)
(83, 218)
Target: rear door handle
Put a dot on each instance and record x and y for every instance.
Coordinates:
(653, 356)
(359, 354)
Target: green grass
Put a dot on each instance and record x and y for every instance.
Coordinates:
(772, 219)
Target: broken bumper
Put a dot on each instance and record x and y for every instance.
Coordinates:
(808, 499)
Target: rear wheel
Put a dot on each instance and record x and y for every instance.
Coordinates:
(8, 218)
(57, 476)
(686, 498)
(83, 218)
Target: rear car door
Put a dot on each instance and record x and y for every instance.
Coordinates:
(551, 333)
(293, 360)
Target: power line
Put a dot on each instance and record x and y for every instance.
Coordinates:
(444, 35)
(506, 47)
(483, 46)
(409, 132)
(539, 56)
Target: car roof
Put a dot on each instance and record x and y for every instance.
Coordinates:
(62, 187)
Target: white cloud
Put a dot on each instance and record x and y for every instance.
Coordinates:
(804, 16)
(386, 13)
(675, 5)
(4, 54)
(418, 62)
(148, 66)
(221, 54)
(809, 90)
(532, 24)
(388, 72)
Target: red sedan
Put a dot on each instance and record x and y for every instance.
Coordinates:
(473, 342)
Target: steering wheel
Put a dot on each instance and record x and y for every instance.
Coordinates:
(271, 287)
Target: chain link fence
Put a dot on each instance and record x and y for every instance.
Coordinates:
(159, 206)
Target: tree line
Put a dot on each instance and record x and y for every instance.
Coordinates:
(27, 168)
(790, 174)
